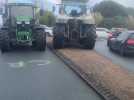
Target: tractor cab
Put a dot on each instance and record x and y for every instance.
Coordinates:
(20, 18)
(73, 10)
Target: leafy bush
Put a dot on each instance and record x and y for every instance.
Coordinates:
(98, 18)
(111, 14)
(110, 9)
(48, 19)
(130, 22)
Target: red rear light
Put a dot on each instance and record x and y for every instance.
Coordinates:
(110, 36)
(130, 41)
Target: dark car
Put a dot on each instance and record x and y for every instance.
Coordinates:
(124, 43)
(113, 35)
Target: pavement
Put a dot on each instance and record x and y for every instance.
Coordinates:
(124, 62)
(31, 75)
(109, 79)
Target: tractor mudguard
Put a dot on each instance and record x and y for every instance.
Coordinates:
(39, 27)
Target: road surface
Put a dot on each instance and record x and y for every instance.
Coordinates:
(31, 75)
(125, 62)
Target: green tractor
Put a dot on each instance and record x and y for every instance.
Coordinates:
(21, 28)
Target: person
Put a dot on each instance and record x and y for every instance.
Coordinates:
(74, 12)
(61, 10)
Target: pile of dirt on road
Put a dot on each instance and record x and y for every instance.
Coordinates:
(101, 73)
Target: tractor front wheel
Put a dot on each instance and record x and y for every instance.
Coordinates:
(4, 41)
(40, 40)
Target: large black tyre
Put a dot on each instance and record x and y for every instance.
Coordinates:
(122, 52)
(89, 42)
(111, 48)
(40, 40)
(58, 39)
(4, 41)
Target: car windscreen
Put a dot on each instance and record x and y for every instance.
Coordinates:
(116, 34)
(123, 36)
(132, 36)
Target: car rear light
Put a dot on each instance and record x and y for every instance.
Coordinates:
(130, 41)
(110, 36)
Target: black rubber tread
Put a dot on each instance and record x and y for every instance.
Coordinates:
(110, 48)
(122, 52)
(58, 39)
(108, 43)
(40, 40)
(4, 41)
(89, 42)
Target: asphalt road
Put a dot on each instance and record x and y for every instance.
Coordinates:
(124, 62)
(31, 75)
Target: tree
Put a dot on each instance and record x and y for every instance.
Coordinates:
(98, 18)
(110, 9)
(130, 11)
(117, 21)
(107, 22)
(114, 14)
(48, 18)
(130, 22)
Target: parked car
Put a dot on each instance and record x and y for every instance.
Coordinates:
(102, 33)
(124, 43)
(113, 35)
(118, 29)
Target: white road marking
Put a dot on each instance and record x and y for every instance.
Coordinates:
(19, 64)
(22, 64)
(40, 62)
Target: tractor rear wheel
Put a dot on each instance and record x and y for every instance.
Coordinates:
(40, 40)
(4, 41)
(89, 42)
(58, 41)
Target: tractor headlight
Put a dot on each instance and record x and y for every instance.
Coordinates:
(27, 22)
(18, 22)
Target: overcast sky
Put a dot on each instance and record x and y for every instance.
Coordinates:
(128, 3)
